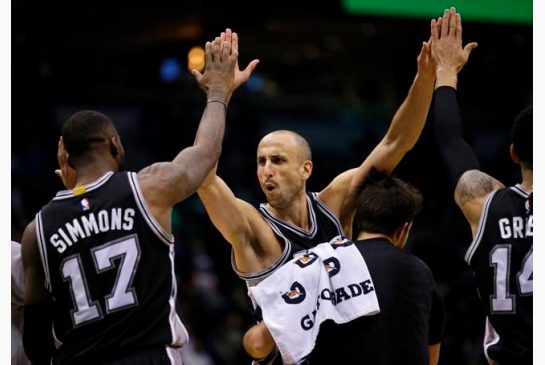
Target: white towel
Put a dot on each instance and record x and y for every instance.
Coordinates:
(329, 281)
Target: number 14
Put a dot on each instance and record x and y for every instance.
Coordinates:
(500, 258)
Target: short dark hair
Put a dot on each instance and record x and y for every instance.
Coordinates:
(83, 129)
(385, 203)
(521, 135)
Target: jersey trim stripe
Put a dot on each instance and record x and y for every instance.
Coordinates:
(174, 356)
(520, 191)
(491, 337)
(298, 230)
(66, 194)
(177, 329)
(43, 250)
(258, 276)
(166, 237)
(480, 229)
(325, 209)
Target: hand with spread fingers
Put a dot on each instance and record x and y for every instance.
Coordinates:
(221, 74)
(446, 47)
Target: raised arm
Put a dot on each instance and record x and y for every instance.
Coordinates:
(402, 135)
(471, 186)
(255, 246)
(165, 184)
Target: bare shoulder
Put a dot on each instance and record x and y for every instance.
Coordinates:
(475, 184)
(163, 182)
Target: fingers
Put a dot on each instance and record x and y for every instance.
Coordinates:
(226, 51)
(208, 53)
(459, 28)
(444, 26)
(234, 42)
(427, 48)
(222, 42)
(250, 68)
(229, 37)
(197, 75)
(469, 47)
(216, 48)
(434, 30)
(452, 22)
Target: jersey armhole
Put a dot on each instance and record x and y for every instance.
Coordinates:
(163, 235)
(252, 279)
(480, 229)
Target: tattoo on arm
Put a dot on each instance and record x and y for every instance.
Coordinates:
(474, 184)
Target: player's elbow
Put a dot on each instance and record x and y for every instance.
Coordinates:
(257, 344)
(398, 144)
(210, 154)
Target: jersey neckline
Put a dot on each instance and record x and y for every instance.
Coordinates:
(82, 189)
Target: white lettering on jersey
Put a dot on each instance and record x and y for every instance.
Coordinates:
(85, 226)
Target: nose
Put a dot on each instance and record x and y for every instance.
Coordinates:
(268, 169)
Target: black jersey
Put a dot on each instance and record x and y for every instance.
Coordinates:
(501, 259)
(324, 226)
(411, 314)
(109, 267)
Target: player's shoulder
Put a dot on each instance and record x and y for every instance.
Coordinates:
(475, 184)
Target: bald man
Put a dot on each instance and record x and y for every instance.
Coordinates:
(293, 219)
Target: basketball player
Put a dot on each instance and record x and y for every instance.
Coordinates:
(500, 217)
(292, 219)
(409, 327)
(98, 258)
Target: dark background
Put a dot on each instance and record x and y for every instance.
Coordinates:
(335, 78)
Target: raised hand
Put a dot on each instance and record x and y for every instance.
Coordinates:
(222, 75)
(244, 75)
(426, 64)
(446, 45)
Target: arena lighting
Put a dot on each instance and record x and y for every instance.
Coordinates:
(195, 59)
(499, 11)
(169, 70)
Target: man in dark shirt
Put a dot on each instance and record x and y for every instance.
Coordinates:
(409, 327)
(501, 218)
(99, 257)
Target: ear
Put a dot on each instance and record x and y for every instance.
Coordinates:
(306, 169)
(513, 154)
(67, 172)
(402, 234)
(114, 147)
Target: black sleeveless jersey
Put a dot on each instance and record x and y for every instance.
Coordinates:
(109, 267)
(324, 226)
(501, 258)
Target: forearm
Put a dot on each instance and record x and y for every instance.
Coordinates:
(455, 151)
(410, 118)
(210, 132)
(433, 352)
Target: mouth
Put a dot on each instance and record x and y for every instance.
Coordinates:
(269, 186)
